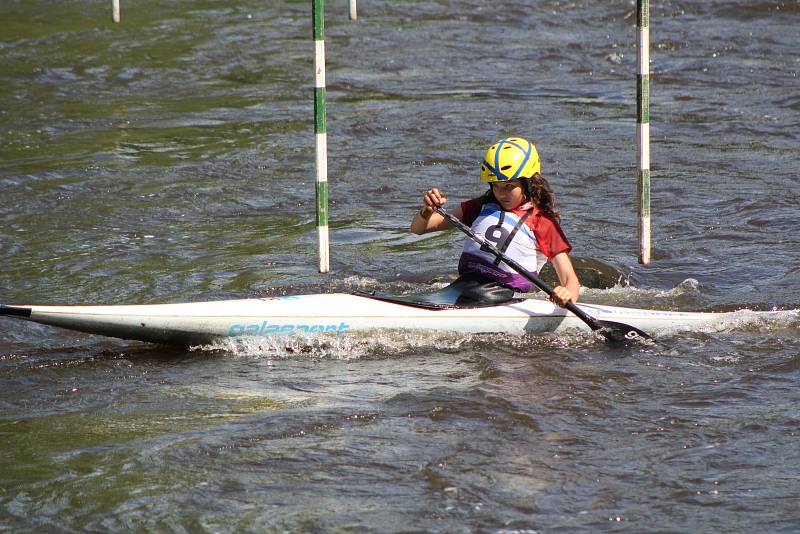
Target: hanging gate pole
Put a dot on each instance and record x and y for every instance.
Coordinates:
(643, 128)
(321, 136)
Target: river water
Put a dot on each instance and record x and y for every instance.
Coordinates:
(171, 158)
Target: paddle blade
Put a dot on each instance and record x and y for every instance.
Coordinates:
(621, 332)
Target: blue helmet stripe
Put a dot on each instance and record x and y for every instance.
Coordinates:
(524, 161)
(497, 172)
(494, 171)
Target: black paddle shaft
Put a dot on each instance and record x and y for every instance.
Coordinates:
(612, 330)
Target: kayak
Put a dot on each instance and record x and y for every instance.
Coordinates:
(196, 323)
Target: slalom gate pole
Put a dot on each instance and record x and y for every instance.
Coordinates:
(321, 136)
(643, 128)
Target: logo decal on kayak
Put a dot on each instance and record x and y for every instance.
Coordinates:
(265, 328)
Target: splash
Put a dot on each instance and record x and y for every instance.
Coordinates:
(747, 320)
(340, 347)
(688, 293)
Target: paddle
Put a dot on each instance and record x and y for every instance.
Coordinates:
(612, 330)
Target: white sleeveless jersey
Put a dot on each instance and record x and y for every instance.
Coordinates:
(512, 235)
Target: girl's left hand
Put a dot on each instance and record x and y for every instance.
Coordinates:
(561, 295)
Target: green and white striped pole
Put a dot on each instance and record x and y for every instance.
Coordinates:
(115, 11)
(321, 136)
(643, 128)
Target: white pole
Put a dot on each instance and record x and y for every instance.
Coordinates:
(353, 11)
(115, 11)
(643, 129)
(321, 136)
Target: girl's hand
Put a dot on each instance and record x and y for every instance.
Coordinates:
(570, 287)
(426, 219)
(432, 199)
(561, 295)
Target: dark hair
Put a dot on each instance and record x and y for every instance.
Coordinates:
(538, 191)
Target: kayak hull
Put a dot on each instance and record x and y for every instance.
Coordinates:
(334, 314)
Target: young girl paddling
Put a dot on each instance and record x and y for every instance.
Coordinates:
(518, 215)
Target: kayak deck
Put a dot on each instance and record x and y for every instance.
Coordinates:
(441, 300)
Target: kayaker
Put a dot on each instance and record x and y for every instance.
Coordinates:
(518, 215)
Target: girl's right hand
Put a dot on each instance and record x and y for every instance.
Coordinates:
(426, 219)
(434, 198)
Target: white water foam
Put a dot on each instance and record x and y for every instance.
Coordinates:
(341, 347)
(622, 295)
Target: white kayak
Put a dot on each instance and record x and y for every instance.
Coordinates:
(337, 314)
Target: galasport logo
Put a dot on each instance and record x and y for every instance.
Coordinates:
(265, 328)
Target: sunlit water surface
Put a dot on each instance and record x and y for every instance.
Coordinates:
(171, 158)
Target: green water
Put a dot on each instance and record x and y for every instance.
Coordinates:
(171, 158)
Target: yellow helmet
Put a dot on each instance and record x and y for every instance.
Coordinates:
(509, 159)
